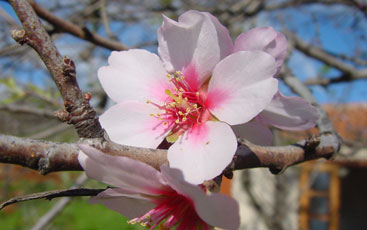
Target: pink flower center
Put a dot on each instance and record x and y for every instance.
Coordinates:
(172, 210)
(183, 107)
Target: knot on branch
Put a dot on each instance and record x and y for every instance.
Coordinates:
(311, 143)
(20, 36)
(83, 117)
(68, 68)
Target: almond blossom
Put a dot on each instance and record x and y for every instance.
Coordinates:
(189, 95)
(152, 198)
(289, 113)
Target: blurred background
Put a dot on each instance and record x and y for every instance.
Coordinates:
(327, 52)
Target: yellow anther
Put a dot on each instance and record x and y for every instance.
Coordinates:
(181, 113)
(173, 104)
(158, 114)
(182, 77)
(195, 106)
(159, 118)
(175, 89)
(178, 100)
(186, 99)
(197, 93)
(178, 72)
(184, 119)
(152, 115)
(164, 122)
(148, 101)
(181, 89)
(177, 121)
(168, 75)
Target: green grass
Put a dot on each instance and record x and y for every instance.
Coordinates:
(79, 214)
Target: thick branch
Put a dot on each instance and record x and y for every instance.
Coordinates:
(47, 156)
(78, 111)
(44, 156)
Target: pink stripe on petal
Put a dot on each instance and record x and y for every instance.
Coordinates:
(198, 134)
(192, 77)
(216, 97)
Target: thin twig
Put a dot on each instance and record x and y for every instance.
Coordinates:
(82, 33)
(27, 109)
(51, 131)
(49, 195)
(59, 206)
(326, 58)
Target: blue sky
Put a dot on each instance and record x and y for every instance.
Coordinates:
(333, 38)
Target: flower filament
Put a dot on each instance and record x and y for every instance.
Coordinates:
(172, 210)
(183, 106)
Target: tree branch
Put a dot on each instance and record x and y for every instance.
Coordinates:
(325, 57)
(296, 3)
(78, 110)
(82, 33)
(28, 109)
(47, 156)
(59, 206)
(323, 81)
(44, 156)
(49, 195)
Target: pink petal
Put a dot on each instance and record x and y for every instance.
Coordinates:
(266, 39)
(210, 208)
(196, 39)
(120, 171)
(242, 86)
(254, 131)
(134, 75)
(130, 123)
(219, 210)
(120, 202)
(290, 113)
(203, 152)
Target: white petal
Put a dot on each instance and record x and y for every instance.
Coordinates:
(203, 152)
(290, 113)
(266, 39)
(197, 39)
(120, 171)
(125, 205)
(242, 86)
(134, 75)
(130, 123)
(255, 132)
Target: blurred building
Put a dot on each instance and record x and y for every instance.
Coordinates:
(316, 195)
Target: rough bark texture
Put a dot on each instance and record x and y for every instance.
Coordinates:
(62, 69)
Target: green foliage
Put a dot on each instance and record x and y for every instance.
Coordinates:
(15, 91)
